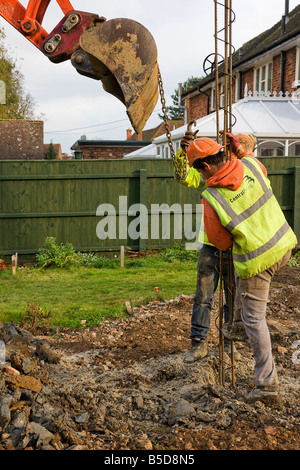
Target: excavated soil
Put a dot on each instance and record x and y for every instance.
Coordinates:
(124, 386)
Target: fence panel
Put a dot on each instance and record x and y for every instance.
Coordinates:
(60, 199)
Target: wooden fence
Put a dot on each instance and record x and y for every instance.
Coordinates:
(67, 200)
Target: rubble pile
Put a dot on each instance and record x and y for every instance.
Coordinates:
(24, 384)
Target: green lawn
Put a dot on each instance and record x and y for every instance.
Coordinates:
(75, 293)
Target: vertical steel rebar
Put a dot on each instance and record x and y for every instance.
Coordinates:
(217, 97)
(230, 68)
(230, 260)
(227, 127)
(221, 294)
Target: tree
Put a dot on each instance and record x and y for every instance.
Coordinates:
(175, 112)
(19, 104)
(50, 154)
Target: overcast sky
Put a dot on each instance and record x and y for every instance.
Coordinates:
(73, 105)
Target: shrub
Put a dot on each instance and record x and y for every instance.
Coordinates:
(56, 255)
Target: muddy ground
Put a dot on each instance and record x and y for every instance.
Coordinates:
(124, 386)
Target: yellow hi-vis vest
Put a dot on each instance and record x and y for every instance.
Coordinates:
(261, 234)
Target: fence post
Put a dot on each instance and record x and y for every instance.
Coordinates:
(143, 200)
(297, 202)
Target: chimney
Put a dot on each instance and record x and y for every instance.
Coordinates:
(140, 136)
(129, 134)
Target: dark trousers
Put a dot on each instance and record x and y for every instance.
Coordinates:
(208, 273)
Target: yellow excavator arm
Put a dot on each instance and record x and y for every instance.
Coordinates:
(120, 52)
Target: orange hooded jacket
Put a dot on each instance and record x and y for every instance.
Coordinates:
(230, 176)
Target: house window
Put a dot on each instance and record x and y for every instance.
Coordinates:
(221, 95)
(263, 78)
(237, 82)
(213, 99)
(294, 148)
(296, 83)
(271, 148)
(165, 151)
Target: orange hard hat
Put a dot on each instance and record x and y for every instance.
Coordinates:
(248, 141)
(201, 148)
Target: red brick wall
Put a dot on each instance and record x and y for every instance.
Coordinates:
(21, 140)
(290, 64)
(289, 71)
(203, 104)
(276, 74)
(104, 152)
(197, 105)
(247, 77)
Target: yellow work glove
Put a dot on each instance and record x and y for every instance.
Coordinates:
(193, 178)
(182, 165)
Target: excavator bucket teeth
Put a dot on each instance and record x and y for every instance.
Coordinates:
(123, 54)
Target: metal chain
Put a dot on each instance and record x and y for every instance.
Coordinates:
(180, 175)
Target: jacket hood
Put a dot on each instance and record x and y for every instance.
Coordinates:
(230, 176)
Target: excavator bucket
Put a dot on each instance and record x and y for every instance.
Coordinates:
(123, 54)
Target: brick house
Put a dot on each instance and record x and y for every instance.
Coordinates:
(24, 140)
(265, 94)
(116, 149)
(270, 62)
(157, 131)
(21, 140)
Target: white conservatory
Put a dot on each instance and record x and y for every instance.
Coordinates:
(274, 119)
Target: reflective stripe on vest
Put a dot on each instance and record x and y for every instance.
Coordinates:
(237, 219)
(253, 251)
(264, 248)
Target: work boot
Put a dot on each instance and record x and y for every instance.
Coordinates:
(236, 355)
(269, 395)
(235, 331)
(198, 351)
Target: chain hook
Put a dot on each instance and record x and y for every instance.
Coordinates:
(190, 126)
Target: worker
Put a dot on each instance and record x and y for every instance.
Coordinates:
(241, 211)
(208, 268)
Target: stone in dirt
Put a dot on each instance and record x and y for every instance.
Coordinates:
(22, 381)
(36, 436)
